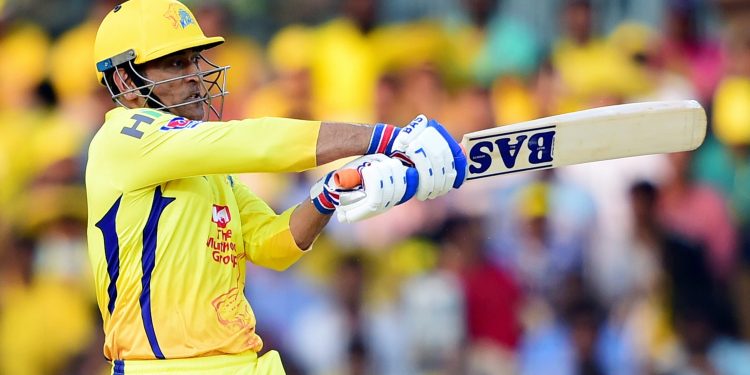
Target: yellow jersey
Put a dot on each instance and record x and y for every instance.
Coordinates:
(170, 229)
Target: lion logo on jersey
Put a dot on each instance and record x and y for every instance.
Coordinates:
(233, 312)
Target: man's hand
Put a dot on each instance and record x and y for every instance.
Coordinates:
(386, 182)
(426, 145)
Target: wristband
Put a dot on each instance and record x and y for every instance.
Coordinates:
(382, 139)
(324, 200)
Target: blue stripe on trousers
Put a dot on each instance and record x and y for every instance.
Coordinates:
(119, 367)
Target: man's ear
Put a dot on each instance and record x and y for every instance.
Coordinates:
(124, 84)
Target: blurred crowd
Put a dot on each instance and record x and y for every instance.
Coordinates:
(631, 266)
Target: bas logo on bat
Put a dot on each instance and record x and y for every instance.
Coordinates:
(519, 150)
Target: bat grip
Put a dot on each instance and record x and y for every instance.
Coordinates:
(348, 179)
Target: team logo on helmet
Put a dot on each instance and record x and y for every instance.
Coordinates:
(178, 123)
(179, 17)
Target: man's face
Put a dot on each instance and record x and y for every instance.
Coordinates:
(182, 90)
(578, 21)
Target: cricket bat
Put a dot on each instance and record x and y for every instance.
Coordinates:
(596, 134)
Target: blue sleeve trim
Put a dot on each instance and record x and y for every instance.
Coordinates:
(148, 262)
(108, 227)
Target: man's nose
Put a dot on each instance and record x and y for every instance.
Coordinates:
(192, 73)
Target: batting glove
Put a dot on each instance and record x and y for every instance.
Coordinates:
(427, 146)
(385, 183)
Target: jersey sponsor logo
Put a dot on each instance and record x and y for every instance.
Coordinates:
(179, 123)
(223, 249)
(221, 215)
(179, 16)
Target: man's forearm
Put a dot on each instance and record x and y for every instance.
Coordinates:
(306, 223)
(338, 140)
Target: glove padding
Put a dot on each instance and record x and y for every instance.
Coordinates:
(386, 183)
(429, 147)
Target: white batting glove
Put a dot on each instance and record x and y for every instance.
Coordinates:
(427, 146)
(382, 183)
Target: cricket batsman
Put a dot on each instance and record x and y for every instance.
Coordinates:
(170, 229)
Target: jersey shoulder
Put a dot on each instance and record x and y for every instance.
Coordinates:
(134, 123)
(122, 137)
(126, 128)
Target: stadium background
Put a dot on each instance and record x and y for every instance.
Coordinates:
(634, 266)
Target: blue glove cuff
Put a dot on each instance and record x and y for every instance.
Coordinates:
(459, 159)
(383, 137)
(323, 198)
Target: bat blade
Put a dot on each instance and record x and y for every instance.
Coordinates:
(591, 135)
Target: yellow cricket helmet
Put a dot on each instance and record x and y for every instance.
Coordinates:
(144, 30)
(139, 31)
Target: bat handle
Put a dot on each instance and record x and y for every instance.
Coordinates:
(348, 179)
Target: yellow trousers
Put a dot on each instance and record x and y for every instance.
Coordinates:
(247, 363)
